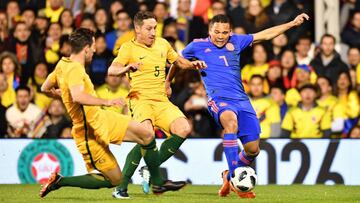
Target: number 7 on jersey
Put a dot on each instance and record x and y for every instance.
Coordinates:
(225, 60)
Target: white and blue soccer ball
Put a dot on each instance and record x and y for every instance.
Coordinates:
(244, 179)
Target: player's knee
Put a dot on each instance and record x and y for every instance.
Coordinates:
(252, 151)
(231, 126)
(147, 137)
(182, 130)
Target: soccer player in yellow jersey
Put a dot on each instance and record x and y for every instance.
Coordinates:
(148, 102)
(267, 111)
(307, 119)
(94, 128)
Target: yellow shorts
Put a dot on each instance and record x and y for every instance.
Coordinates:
(161, 113)
(110, 127)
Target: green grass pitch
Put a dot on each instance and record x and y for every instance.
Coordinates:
(191, 193)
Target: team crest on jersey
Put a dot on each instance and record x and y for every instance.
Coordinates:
(207, 50)
(223, 104)
(313, 119)
(229, 46)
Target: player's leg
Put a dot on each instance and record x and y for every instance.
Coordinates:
(228, 120)
(169, 118)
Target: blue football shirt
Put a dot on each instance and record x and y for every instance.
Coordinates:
(222, 76)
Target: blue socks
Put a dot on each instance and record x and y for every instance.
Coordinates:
(244, 160)
(231, 149)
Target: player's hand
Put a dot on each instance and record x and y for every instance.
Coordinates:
(133, 67)
(168, 89)
(199, 64)
(115, 102)
(56, 92)
(300, 19)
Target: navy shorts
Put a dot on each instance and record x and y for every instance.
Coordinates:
(248, 123)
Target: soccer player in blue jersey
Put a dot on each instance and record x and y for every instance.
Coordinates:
(227, 101)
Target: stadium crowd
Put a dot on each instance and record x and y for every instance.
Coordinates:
(299, 89)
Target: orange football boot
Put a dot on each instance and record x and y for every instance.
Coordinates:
(225, 188)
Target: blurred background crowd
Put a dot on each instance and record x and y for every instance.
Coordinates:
(299, 88)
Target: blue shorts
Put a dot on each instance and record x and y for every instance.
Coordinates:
(248, 123)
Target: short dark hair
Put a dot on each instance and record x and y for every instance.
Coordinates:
(22, 87)
(141, 16)
(221, 18)
(279, 87)
(325, 78)
(122, 11)
(262, 78)
(328, 35)
(80, 38)
(309, 86)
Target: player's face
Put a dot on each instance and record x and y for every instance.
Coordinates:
(307, 96)
(220, 33)
(89, 52)
(146, 32)
(256, 87)
(277, 95)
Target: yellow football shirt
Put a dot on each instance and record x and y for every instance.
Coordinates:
(292, 97)
(127, 36)
(268, 113)
(149, 81)
(67, 74)
(306, 124)
(249, 70)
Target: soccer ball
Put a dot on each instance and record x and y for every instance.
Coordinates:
(243, 179)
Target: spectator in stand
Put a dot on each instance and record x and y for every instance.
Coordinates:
(66, 22)
(288, 64)
(328, 101)
(348, 106)
(161, 13)
(4, 31)
(53, 10)
(267, 111)
(283, 11)
(88, 22)
(65, 47)
(114, 8)
(13, 13)
(41, 24)
(122, 34)
(101, 61)
(102, 21)
(259, 65)
(256, 18)
(328, 62)
(115, 87)
(170, 30)
(11, 69)
(303, 52)
(196, 109)
(353, 57)
(277, 95)
(26, 51)
(302, 77)
(217, 7)
(351, 34)
(28, 16)
(236, 12)
(273, 76)
(53, 44)
(58, 126)
(87, 7)
(35, 82)
(23, 115)
(307, 119)
(189, 27)
(278, 45)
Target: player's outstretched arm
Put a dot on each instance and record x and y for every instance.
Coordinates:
(183, 63)
(117, 69)
(277, 30)
(80, 96)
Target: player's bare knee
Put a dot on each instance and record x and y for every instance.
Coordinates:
(252, 151)
(115, 181)
(230, 126)
(181, 128)
(147, 137)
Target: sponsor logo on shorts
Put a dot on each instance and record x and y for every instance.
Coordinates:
(42, 157)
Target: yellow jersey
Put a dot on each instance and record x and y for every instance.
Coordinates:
(67, 74)
(306, 124)
(149, 81)
(127, 36)
(105, 93)
(268, 113)
(249, 70)
(347, 106)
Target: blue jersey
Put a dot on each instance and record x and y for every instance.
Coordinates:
(222, 76)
